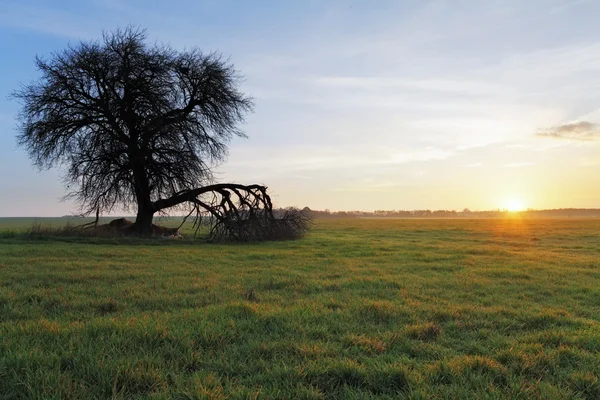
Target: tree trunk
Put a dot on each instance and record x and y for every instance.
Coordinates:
(146, 210)
(143, 221)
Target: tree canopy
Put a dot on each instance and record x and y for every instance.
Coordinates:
(142, 126)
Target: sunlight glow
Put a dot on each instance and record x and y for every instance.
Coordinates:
(514, 204)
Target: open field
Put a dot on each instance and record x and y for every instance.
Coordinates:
(360, 308)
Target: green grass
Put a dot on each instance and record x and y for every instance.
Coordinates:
(358, 309)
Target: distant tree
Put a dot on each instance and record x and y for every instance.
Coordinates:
(142, 126)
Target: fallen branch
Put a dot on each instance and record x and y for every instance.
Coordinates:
(240, 213)
(90, 225)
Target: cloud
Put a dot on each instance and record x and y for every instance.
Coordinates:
(370, 83)
(518, 164)
(581, 130)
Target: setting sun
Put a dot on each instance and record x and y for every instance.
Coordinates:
(515, 204)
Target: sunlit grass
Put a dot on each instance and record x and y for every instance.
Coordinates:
(358, 309)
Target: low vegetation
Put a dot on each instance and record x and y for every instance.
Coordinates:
(362, 308)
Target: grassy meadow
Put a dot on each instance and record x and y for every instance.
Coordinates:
(359, 309)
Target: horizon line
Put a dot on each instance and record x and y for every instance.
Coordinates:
(463, 211)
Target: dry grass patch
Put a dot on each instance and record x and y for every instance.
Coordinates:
(426, 331)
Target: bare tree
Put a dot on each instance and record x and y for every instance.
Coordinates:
(140, 126)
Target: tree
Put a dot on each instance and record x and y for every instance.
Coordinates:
(140, 126)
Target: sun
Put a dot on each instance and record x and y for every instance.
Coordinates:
(514, 204)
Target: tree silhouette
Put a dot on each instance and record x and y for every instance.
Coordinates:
(140, 126)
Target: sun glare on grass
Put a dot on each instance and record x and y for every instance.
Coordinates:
(515, 205)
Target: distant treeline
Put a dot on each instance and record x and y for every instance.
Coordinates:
(466, 213)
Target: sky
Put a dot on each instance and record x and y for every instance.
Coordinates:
(360, 105)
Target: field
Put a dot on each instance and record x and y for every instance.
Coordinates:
(362, 308)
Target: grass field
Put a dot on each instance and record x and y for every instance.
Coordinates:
(364, 308)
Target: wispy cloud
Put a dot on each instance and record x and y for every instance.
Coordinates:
(581, 130)
(305, 160)
(588, 162)
(473, 165)
(369, 83)
(384, 186)
(518, 164)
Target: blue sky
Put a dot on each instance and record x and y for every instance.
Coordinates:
(362, 104)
